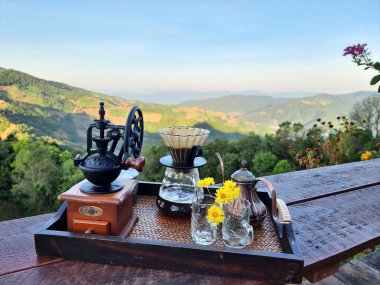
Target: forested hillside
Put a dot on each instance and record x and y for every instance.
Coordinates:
(62, 112)
(267, 112)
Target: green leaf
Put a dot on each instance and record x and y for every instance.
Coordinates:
(366, 68)
(375, 79)
(378, 90)
(376, 65)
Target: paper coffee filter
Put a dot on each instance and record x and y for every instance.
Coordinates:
(183, 137)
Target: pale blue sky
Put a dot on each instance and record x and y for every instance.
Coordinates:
(114, 46)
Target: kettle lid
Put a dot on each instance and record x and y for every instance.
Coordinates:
(243, 174)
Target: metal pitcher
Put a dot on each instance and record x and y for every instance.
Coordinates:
(246, 181)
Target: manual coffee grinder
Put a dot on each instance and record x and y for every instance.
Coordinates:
(101, 204)
(179, 185)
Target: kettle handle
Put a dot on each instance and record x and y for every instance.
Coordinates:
(221, 164)
(280, 212)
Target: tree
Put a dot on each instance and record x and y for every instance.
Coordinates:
(37, 177)
(367, 114)
(6, 158)
(263, 163)
(153, 170)
(212, 168)
(282, 166)
(231, 163)
(70, 174)
(249, 146)
(287, 135)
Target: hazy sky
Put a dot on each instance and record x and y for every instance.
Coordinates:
(114, 46)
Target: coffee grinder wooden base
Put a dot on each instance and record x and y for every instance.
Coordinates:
(105, 214)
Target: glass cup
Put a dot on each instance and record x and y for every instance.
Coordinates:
(236, 230)
(202, 231)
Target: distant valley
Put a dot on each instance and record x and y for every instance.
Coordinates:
(59, 111)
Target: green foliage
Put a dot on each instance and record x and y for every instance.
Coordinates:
(9, 210)
(41, 172)
(282, 166)
(153, 170)
(375, 79)
(249, 145)
(36, 178)
(264, 162)
(6, 158)
(230, 158)
(286, 135)
(46, 93)
(70, 175)
(4, 124)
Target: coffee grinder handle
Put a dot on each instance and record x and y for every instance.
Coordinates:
(137, 164)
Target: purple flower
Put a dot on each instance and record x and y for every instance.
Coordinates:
(354, 50)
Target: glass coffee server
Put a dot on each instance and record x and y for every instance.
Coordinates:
(179, 185)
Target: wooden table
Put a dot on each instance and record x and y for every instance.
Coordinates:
(335, 213)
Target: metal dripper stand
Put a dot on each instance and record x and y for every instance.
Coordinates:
(179, 186)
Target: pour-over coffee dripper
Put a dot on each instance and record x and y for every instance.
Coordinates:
(179, 185)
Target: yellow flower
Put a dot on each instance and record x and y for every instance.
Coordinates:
(215, 214)
(235, 193)
(223, 196)
(231, 187)
(229, 184)
(206, 182)
(365, 156)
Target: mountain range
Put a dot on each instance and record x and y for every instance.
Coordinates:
(62, 112)
(181, 96)
(267, 112)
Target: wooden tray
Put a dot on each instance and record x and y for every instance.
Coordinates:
(164, 242)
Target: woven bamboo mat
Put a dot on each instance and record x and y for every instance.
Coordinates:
(154, 225)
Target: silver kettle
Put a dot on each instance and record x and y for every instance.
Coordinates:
(246, 181)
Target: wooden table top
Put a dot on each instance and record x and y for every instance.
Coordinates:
(334, 212)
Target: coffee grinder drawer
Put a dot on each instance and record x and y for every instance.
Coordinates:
(91, 227)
